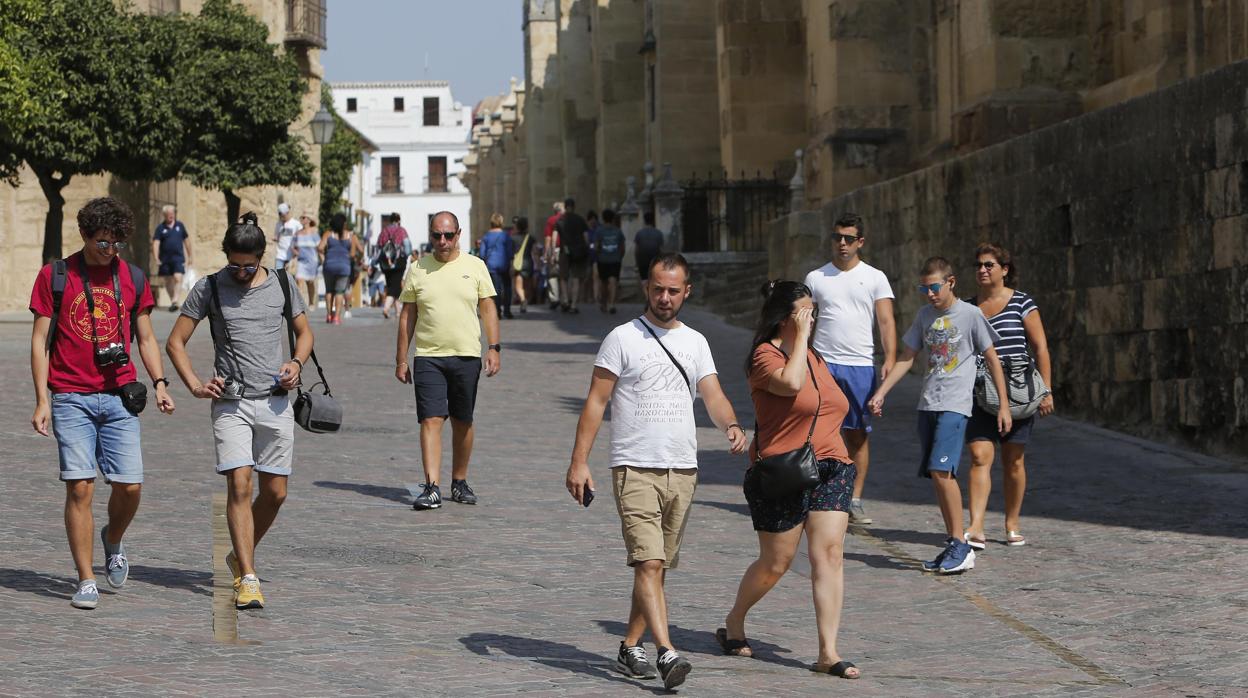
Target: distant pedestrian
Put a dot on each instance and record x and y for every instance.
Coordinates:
(573, 254)
(651, 370)
(307, 259)
(522, 262)
(284, 236)
(497, 253)
(253, 416)
(610, 253)
(590, 291)
(550, 238)
(80, 353)
(338, 247)
(647, 244)
(852, 296)
(446, 298)
(952, 332)
(393, 249)
(796, 402)
(1016, 319)
(171, 246)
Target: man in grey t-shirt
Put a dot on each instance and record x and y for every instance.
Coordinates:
(952, 332)
(252, 413)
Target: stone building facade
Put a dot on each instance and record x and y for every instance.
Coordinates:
(293, 24)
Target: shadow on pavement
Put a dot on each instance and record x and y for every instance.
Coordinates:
(552, 654)
(704, 642)
(31, 582)
(881, 562)
(193, 581)
(590, 348)
(394, 494)
(741, 509)
(936, 539)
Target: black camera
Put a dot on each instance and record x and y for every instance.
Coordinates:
(113, 354)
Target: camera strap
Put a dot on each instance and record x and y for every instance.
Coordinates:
(120, 302)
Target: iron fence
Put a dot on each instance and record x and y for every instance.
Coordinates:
(721, 214)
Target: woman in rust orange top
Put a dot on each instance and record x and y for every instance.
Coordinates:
(788, 383)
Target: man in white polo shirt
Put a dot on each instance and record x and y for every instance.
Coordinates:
(852, 296)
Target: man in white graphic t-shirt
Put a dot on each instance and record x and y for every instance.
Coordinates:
(650, 370)
(852, 296)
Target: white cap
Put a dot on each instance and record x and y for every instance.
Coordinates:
(283, 208)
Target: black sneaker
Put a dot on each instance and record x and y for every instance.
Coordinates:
(673, 667)
(429, 498)
(632, 661)
(462, 493)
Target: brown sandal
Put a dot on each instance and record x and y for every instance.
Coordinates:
(734, 648)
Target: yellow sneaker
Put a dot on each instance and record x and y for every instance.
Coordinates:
(248, 594)
(231, 561)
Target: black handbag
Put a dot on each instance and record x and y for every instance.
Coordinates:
(317, 413)
(786, 474)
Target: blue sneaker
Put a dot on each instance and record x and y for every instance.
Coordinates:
(934, 564)
(959, 558)
(116, 566)
(87, 596)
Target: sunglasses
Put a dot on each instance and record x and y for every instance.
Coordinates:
(105, 244)
(930, 288)
(985, 265)
(845, 239)
(442, 236)
(249, 268)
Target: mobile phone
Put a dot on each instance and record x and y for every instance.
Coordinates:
(587, 497)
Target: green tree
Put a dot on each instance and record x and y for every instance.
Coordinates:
(86, 98)
(238, 94)
(338, 157)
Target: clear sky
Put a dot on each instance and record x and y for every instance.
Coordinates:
(477, 45)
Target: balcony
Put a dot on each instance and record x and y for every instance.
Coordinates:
(436, 185)
(389, 185)
(305, 23)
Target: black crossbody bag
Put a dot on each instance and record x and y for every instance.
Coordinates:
(319, 414)
(786, 474)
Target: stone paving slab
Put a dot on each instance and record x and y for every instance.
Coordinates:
(1132, 582)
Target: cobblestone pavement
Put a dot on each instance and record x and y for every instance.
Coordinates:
(1132, 582)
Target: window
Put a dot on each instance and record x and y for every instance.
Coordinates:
(431, 111)
(437, 174)
(350, 104)
(398, 104)
(391, 182)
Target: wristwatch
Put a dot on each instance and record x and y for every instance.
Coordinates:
(158, 381)
(497, 347)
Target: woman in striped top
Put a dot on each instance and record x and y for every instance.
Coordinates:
(1015, 317)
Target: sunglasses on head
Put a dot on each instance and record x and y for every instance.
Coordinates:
(845, 239)
(443, 236)
(930, 288)
(105, 244)
(249, 268)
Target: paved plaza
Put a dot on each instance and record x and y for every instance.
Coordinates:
(1132, 583)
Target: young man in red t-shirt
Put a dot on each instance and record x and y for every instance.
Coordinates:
(93, 384)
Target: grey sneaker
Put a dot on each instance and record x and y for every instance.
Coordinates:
(632, 661)
(429, 498)
(87, 596)
(462, 493)
(674, 668)
(116, 566)
(857, 514)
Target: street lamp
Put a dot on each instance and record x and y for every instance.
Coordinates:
(322, 127)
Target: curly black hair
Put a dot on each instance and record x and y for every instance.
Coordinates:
(106, 213)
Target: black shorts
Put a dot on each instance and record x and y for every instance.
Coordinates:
(833, 493)
(983, 427)
(608, 270)
(446, 386)
(394, 280)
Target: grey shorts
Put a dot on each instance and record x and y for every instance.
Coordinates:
(336, 283)
(256, 432)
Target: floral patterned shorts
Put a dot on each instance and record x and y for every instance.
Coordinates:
(833, 493)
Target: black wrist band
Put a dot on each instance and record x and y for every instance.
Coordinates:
(296, 360)
(160, 380)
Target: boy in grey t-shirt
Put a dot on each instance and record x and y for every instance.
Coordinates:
(953, 332)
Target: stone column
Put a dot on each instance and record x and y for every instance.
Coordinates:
(667, 200)
(578, 104)
(682, 88)
(619, 86)
(542, 114)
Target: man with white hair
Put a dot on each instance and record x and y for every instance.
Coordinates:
(287, 229)
(171, 245)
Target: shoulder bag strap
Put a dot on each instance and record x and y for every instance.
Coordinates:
(139, 280)
(669, 355)
(283, 278)
(60, 275)
(225, 328)
(818, 399)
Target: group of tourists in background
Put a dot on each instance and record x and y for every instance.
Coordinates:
(815, 387)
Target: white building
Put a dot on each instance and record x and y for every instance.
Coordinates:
(421, 134)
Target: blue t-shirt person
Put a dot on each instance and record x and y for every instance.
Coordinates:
(171, 237)
(497, 250)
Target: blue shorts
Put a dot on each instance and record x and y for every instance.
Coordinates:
(171, 265)
(941, 434)
(858, 383)
(95, 429)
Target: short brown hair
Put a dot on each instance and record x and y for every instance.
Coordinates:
(937, 265)
(671, 260)
(106, 213)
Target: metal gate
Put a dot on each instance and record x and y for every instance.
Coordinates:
(730, 214)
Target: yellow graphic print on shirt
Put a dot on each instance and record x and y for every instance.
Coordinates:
(942, 338)
(107, 317)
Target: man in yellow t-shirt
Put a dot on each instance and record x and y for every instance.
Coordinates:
(443, 296)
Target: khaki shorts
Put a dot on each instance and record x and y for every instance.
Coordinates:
(654, 508)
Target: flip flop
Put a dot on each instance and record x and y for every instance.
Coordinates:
(1014, 539)
(975, 543)
(735, 648)
(838, 669)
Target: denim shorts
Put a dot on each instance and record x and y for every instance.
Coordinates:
(257, 432)
(941, 435)
(95, 430)
(858, 383)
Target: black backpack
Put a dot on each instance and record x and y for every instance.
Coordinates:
(60, 274)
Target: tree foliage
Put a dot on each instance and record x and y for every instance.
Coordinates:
(338, 157)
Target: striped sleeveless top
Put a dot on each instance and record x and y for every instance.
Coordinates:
(1009, 325)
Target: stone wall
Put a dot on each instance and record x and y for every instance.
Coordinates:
(1130, 227)
(542, 107)
(619, 82)
(685, 127)
(577, 101)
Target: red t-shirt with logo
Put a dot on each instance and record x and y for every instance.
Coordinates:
(72, 366)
